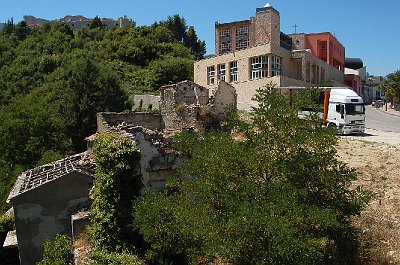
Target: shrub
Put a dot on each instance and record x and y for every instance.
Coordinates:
(278, 195)
(114, 258)
(57, 252)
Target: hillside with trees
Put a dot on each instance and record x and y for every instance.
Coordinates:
(53, 81)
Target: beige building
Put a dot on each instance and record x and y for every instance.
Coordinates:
(253, 53)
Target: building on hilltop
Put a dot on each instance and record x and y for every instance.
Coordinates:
(253, 53)
(79, 22)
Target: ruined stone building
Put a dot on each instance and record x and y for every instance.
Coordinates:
(46, 199)
(185, 105)
(78, 22)
(252, 53)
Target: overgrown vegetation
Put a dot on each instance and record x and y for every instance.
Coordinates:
(53, 81)
(116, 185)
(7, 256)
(58, 251)
(391, 87)
(273, 194)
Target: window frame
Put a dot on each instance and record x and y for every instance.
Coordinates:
(211, 75)
(221, 71)
(233, 71)
(258, 67)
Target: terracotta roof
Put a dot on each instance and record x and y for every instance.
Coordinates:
(41, 175)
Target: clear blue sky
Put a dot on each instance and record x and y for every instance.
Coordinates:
(368, 29)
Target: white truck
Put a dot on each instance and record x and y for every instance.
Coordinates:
(346, 111)
(343, 108)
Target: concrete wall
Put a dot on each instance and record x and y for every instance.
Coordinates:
(45, 211)
(144, 102)
(334, 53)
(106, 120)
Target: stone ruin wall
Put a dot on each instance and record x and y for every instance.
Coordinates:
(180, 105)
(183, 106)
(107, 120)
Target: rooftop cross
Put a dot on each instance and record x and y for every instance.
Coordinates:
(295, 28)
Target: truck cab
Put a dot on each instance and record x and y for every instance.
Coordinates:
(346, 111)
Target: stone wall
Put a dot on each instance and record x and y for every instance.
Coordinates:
(267, 26)
(158, 159)
(298, 41)
(106, 120)
(223, 98)
(180, 105)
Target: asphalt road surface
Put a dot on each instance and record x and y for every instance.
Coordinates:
(379, 120)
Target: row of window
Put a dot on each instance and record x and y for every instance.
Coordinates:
(221, 73)
(240, 45)
(240, 31)
(258, 69)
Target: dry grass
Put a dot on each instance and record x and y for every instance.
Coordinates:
(378, 168)
(82, 249)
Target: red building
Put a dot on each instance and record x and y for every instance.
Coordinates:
(354, 81)
(326, 47)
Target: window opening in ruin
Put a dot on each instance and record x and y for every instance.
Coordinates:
(221, 72)
(276, 65)
(259, 67)
(233, 71)
(210, 75)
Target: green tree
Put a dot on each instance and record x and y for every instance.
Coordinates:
(171, 70)
(96, 23)
(22, 30)
(177, 25)
(391, 86)
(197, 47)
(9, 27)
(89, 89)
(275, 193)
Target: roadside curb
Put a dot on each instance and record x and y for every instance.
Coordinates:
(386, 112)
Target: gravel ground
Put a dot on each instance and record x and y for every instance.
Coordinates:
(370, 135)
(376, 158)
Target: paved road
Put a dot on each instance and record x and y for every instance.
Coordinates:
(379, 120)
